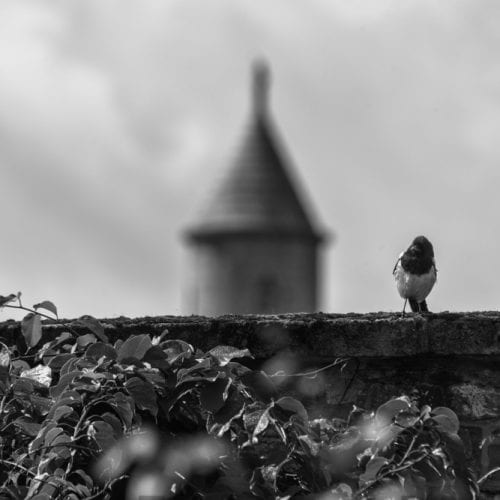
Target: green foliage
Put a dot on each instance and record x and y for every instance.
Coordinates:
(83, 418)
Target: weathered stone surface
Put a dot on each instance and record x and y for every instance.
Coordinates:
(318, 335)
(476, 402)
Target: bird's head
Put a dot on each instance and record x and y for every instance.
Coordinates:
(422, 247)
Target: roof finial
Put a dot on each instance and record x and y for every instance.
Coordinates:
(260, 86)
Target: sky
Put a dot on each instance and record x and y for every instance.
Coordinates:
(117, 117)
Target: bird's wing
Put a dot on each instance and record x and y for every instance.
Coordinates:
(397, 262)
(434, 265)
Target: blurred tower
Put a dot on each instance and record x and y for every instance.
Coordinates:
(254, 249)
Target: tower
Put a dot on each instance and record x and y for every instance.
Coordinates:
(254, 248)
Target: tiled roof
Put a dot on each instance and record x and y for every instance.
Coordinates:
(257, 195)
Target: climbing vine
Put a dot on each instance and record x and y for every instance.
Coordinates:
(81, 417)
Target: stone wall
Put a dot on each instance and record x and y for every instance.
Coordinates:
(446, 359)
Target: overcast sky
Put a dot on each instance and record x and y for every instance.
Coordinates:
(116, 117)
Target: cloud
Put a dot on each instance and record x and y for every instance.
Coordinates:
(117, 117)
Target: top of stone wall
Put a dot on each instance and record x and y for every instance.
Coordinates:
(313, 335)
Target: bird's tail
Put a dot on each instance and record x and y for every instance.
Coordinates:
(418, 306)
(414, 305)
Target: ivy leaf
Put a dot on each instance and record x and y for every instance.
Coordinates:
(62, 411)
(446, 419)
(100, 349)
(94, 326)
(232, 410)
(177, 350)
(388, 411)
(143, 394)
(262, 424)
(41, 374)
(225, 353)
(214, 395)
(7, 299)
(122, 405)
(60, 445)
(156, 357)
(85, 340)
(23, 387)
(57, 362)
(372, 468)
(31, 326)
(51, 435)
(4, 356)
(47, 305)
(134, 347)
(292, 405)
(27, 425)
(114, 422)
(102, 433)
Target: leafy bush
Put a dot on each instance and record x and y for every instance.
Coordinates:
(149, 416)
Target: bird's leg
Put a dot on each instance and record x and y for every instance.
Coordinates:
(423, 306)
(404, 307)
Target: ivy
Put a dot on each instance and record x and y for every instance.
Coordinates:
(83, 418)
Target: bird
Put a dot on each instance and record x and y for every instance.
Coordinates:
(415, 274)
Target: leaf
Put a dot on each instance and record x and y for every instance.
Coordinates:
(292, 405)
(62, 411)
(372, 468)
(387, 434)
(225, 353)
(213, 395)
(60, 445)
(385, 413)
(7, 299)
(122, 405)
(41, 374)
(64, 381)
(446, 419)
(156, 357)
(177, 349)
(4, 356)
(41, 405)
(312, 446)
(47, 305)
(134, 347)
(143, 395)
(94, 326)
(69, 398)
(31, 327)
(23, 387)
(27, 425)
(102, 432)
(51, 434)
(85, 340)
(114, 422)
(232, 410)
(262, 425)
(57, 362)
(342, 492)
(100, 349)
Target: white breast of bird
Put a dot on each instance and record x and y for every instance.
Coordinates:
(414, 286)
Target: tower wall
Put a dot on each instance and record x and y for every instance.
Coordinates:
(243, 275)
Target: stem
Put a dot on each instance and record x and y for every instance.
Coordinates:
(24, 469)
(390, 472)
(487, 475)
(28, 309)
(408, 451)
(310, 374)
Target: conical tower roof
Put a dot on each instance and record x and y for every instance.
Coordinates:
(257, 196)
